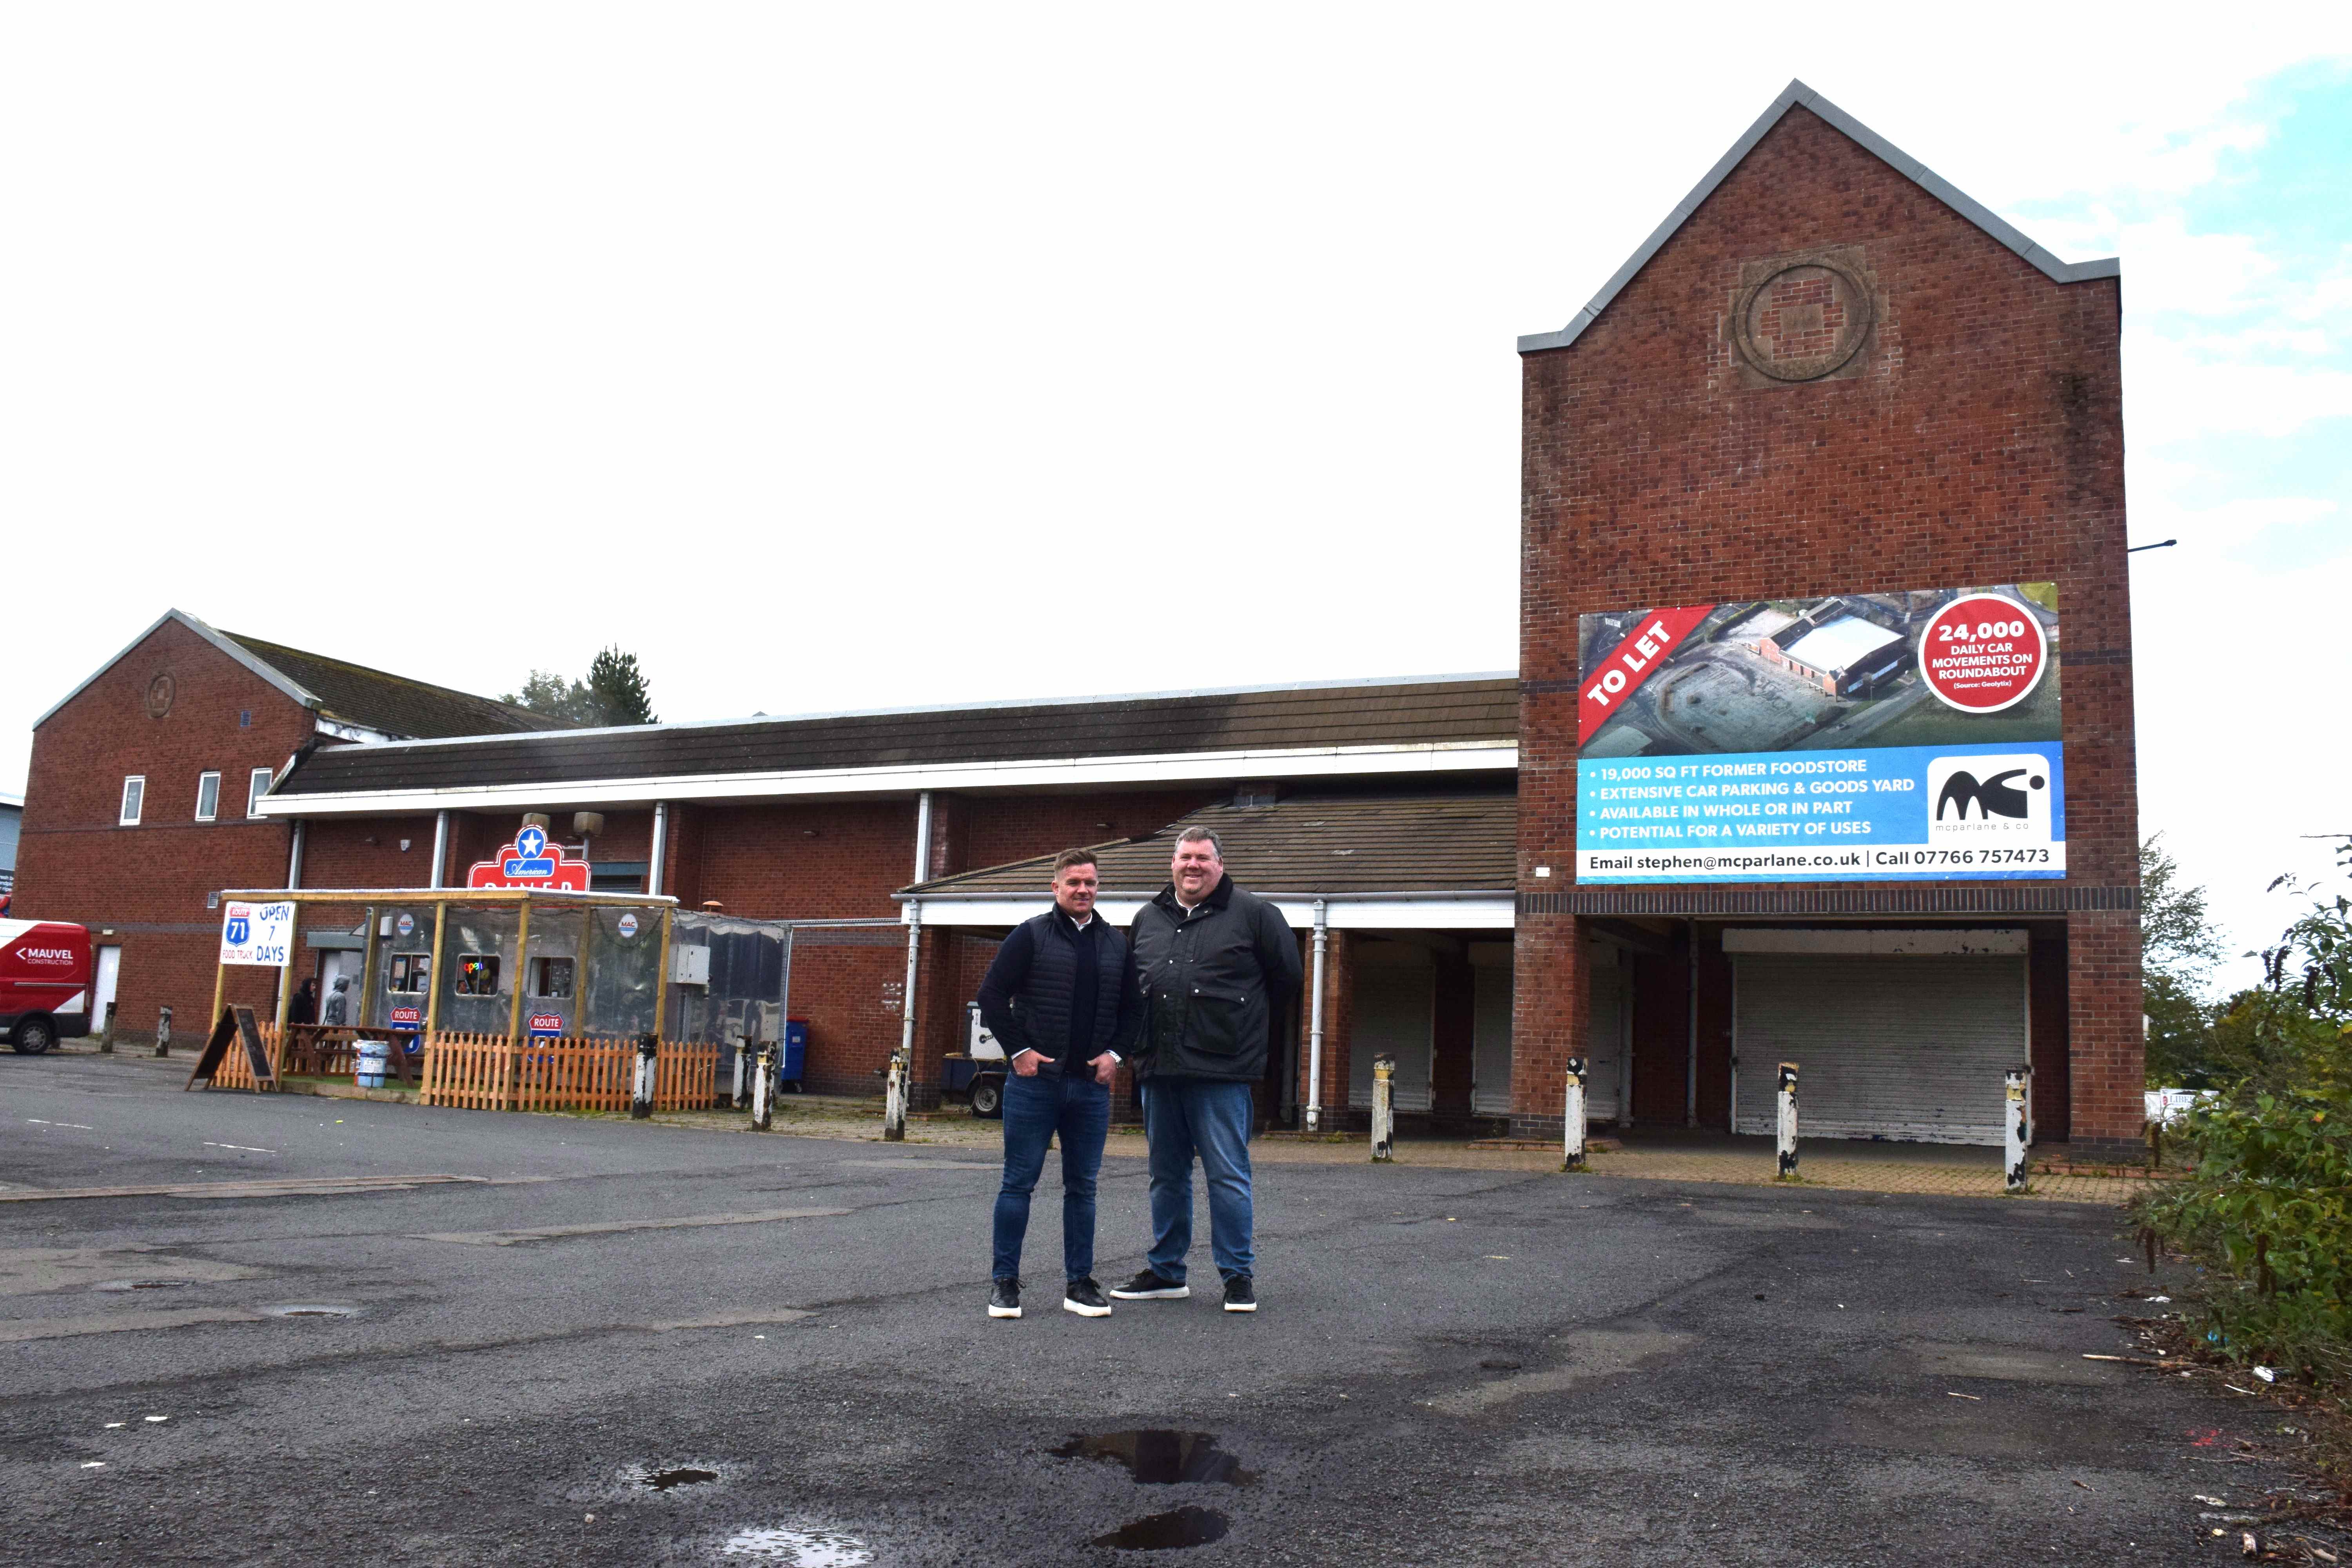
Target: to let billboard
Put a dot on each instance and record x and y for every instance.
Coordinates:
(1895, 737)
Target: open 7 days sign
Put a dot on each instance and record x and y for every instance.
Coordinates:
(1882, 736)
(256, 934)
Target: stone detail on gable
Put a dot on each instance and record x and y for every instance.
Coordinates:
(1807, 317)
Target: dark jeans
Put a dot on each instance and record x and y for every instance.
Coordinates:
(1182, 1117)
(1076, 1107)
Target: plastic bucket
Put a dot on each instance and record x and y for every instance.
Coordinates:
(368, 1058)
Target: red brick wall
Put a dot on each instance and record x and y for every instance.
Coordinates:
(151, 883)
(1979, 439)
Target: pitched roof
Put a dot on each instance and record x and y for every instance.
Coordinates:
(343, 692)
(771, 755)
(400, 707)
(1796, 94)
(1307, 846)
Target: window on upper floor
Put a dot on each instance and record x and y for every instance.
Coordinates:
(135, 795)
(207, 797)
(255, 788)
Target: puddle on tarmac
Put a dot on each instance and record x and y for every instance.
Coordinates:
(311, 1309)
(679, 1475)
(1170, 1531)
(1159, 1457)
(798, 1548)
(144, 1285)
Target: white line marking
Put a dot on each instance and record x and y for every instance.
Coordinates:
(75, 1125)
(246, 1148)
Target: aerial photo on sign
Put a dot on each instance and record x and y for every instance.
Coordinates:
(1889, 736)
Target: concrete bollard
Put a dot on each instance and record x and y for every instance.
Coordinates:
(1572, 1118)
(1788, 1124)
(763, 1088)
(1383, 1108)
(2017, 1127)
(641, 1097)
(106, 1034)
(163, 1033)
(894, 1100)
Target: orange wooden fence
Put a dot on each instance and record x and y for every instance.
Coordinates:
(492, 1072)
(236, 1072)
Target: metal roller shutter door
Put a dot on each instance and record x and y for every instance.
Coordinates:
(1396, 1015)
(1910, 1048)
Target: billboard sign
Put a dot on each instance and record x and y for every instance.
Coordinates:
(256, 934)
(1898, 737)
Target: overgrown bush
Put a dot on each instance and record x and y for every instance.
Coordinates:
(2268, 1209)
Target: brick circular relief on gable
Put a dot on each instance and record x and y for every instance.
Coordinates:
(1804, 321)
(160, 692)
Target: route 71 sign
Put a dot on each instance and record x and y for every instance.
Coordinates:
(256, 934)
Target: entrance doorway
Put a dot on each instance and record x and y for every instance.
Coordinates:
(1608, 1042)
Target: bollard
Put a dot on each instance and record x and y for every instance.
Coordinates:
(641, 1099)
(163, 1033)
(1383, 1108)
(894, 1100)
(1788, 1172)
(106, 1036)
(763, 1088)
(1572, 1118)
(2014, 1128)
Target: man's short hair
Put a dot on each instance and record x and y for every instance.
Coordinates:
(1196, 835)
(1069, 858)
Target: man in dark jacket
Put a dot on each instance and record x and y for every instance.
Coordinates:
(1217, 965)
(1061, 998)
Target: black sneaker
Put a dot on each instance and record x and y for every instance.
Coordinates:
(1241, 1295)
(1004, 1299)
(1149, 1287)
(1084, 1298)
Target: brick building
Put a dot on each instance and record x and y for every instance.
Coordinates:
(141, 801)
(1828, 373)
(1829, 407)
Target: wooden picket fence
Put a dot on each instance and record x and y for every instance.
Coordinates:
(493, 1072)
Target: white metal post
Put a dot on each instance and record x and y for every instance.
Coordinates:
(1788, 1127)
(763, 1088)
(1383, 1108)
(1572, 1118)
(294, 856)
(440, 847)
(894, 1085)
(660, 848)
(641, 1100)
(1315, 1024)
(2015, 1122)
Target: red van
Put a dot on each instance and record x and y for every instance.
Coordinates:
(44, 982)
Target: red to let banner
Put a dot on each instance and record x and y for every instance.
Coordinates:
(1983, 653)
(1614, 679)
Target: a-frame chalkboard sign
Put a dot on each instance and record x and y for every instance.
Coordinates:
(235, 1027)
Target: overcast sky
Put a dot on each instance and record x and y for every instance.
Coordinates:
(840, 356)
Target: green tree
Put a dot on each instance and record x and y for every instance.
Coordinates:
(618, 688)
(615, 693)
(2178, 950)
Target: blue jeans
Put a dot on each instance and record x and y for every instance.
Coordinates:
(1182, 1116)
(1078, 1108)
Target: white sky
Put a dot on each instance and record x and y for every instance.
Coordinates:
(853, 356)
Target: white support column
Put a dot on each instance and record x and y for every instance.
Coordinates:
(660, 848)
(440, 847)
(294, 856)
(1314, 1024)
(1383, 1108)
(1572, 1112)
(2015, 1118)
(1787, 1128)
(894, 1086)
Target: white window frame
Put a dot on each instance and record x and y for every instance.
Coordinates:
(135, 800)
(257, 785)
(212, 778)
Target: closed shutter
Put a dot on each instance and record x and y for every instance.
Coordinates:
(1395, 1008)
(1910, 1048)
(1490, 1049)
